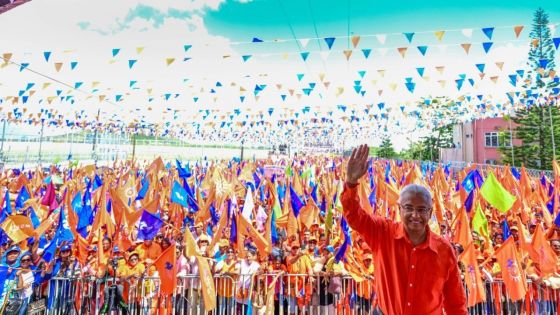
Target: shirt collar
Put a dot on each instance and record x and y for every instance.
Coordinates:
(430, 238)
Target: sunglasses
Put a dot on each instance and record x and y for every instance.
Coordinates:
(230, 252)
(25, 260)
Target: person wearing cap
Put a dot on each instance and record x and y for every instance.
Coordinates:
(25, 281)
(416, 270)
(149, 251)
(297, 262)
(221, 253)
(10, 259)
(224, 271)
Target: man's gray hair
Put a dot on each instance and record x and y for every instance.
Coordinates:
(417, 190)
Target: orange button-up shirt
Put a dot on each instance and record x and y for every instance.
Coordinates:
(409, 280)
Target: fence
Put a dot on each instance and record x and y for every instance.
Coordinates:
(246, 294)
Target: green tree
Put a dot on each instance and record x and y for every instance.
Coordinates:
(539, 122)
(427, 149)
(386, 149)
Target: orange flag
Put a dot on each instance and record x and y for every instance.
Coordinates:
(17, 227)
(245, 228)
(165, 265)
(473, 278)
(462, 233)
(545, 253)
(102, 257)
(512, 273)
(208, 287)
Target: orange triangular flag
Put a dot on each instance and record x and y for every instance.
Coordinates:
(58, 66)
(347, 53)
(512, 273)
(355, 40)
(546, 255)
(517, 29)
(402, 51)
(473, 278)
(165, 265)
(466, 47)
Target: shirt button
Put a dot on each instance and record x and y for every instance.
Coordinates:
(408, 303)
(411, 285)
(412, 266)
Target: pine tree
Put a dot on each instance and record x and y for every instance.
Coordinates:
(534, 122)
(386, 149)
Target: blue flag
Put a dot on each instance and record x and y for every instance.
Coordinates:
(149, 226)
(7, 205)
(469, 201)
(506, 230)
(314, 194)
(233, 229)
(144, 189)
(22, 197)
(183, 172)
(273, 232)
(297, 204)
(179, 195)
(341, 252)
(63, 232)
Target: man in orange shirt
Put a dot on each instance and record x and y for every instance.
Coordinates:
(416, 270)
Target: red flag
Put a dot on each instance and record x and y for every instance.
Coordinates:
(512, 273)
(165, 265)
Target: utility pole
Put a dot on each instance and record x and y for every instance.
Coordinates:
(93, 153)
(41, 140)
(3, 139)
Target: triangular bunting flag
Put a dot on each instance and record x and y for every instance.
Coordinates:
(517, 29)
(488, 31)
(487, 46)
(329, 41)
(402, 51)
(466, 47)
(423, 50)
(439, 35)
(366, 52)
(355, 40)
(409, 37)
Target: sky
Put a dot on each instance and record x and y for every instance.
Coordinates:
(195, 66)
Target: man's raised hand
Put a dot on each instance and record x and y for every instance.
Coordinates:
(357, 164)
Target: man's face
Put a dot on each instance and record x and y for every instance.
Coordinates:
(556, 247)
(415, 212)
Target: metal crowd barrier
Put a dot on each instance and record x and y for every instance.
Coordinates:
(250, 294)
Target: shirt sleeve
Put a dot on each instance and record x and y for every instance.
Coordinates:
(454, 298)
(372, 228)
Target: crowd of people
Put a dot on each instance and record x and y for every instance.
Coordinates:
(241, 219)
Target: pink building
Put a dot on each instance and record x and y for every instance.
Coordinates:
(478, 141)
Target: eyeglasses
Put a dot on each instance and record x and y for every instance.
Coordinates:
(25, 260)
(230, 252)
(411, 209)
(133, 259)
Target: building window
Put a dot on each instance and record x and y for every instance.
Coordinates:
(491, 139)
(491, 162)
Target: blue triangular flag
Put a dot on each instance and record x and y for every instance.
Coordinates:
(488, 32)
(409, 36)
(487, 46)
(330, 41)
